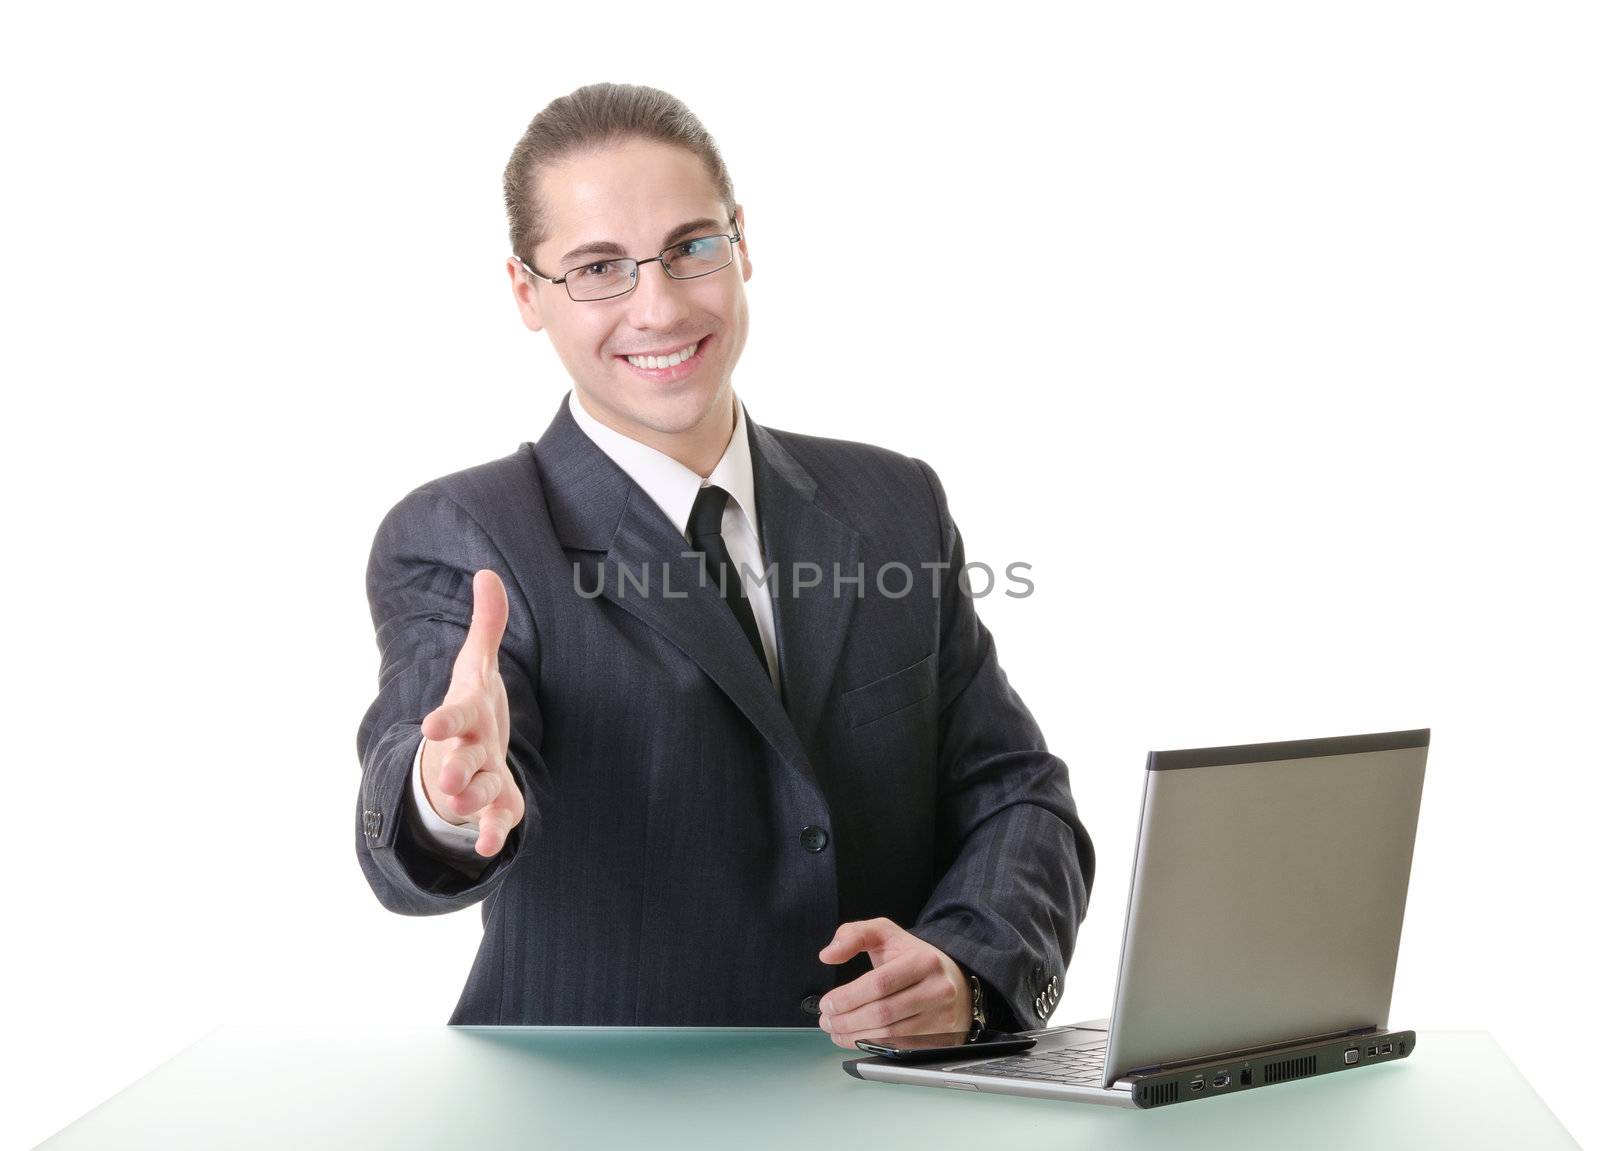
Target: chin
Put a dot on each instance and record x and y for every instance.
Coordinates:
(672, 412)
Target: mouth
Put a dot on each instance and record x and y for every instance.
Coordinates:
(668, 365)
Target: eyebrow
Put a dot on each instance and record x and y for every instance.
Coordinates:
(607, 248)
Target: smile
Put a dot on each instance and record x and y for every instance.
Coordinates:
(666, 361)
(668, 367)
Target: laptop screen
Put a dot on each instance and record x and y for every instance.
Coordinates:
(1267, 897)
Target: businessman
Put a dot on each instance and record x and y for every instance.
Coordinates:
(699, 710)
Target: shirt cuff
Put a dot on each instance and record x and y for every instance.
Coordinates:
(456, 839)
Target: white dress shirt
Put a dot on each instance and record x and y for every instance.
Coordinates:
(673, 487)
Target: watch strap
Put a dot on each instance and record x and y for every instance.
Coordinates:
(979, 1008)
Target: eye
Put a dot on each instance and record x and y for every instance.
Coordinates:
(600, 269)
(693, 247)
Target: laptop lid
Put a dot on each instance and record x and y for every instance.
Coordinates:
(1267, 896)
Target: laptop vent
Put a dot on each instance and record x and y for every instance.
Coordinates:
(1286, 1069)
(1155, 1095)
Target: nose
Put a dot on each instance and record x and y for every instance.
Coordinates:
(656, 302)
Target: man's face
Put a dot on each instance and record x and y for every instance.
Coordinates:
(636, 195)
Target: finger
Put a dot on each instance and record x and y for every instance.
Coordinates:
(450, 719)
(495, 825)
(482, 791)
(856, 936)
(511, 799)
(927, 994)
(480, 653)
(502, 813)
(900, 972)
(462, 764)
(491, 832)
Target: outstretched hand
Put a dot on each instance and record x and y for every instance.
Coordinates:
(464, 772)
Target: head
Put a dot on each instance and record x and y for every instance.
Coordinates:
(626, 166)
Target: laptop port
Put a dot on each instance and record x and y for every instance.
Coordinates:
(1386, 1049)
(1197, 1083)
(1222, 1079)
(1372, 1051)
(1246, 1077)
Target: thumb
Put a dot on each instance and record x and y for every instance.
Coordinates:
(481, 651)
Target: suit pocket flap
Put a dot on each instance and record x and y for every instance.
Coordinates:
(894, 691)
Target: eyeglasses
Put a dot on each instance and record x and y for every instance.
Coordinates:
(617, 276)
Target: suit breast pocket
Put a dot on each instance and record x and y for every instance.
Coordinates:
(894, 692)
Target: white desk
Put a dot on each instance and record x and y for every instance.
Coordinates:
(702, 1088)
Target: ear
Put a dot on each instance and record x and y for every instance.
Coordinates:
(744, 247)
(524, 288)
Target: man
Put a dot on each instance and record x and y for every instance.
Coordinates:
(647, 693)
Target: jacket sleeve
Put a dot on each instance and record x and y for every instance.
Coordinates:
(1016, 865)
(419, 587)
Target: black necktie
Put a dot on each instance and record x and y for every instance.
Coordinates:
(705, 534)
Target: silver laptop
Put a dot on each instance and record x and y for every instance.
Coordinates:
(1263, 927)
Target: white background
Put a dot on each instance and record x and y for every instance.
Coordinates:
(1266, 333)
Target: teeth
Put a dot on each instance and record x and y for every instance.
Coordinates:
(677, 357)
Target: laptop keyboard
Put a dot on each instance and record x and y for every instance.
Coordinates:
(1081, 1066)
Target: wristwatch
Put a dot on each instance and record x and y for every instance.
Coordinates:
(979, 1020)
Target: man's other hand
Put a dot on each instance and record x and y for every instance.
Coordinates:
(464, 770)
(912, 989)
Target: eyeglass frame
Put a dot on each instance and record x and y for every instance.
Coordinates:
(733, 239)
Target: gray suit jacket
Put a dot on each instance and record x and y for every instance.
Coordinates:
(692, 840)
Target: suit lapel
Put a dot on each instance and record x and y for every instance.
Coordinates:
(796, 531)
(595, 506)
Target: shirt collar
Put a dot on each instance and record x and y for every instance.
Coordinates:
(672, 486)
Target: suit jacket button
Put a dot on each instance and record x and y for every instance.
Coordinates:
(813, 838)
(811, 1005)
